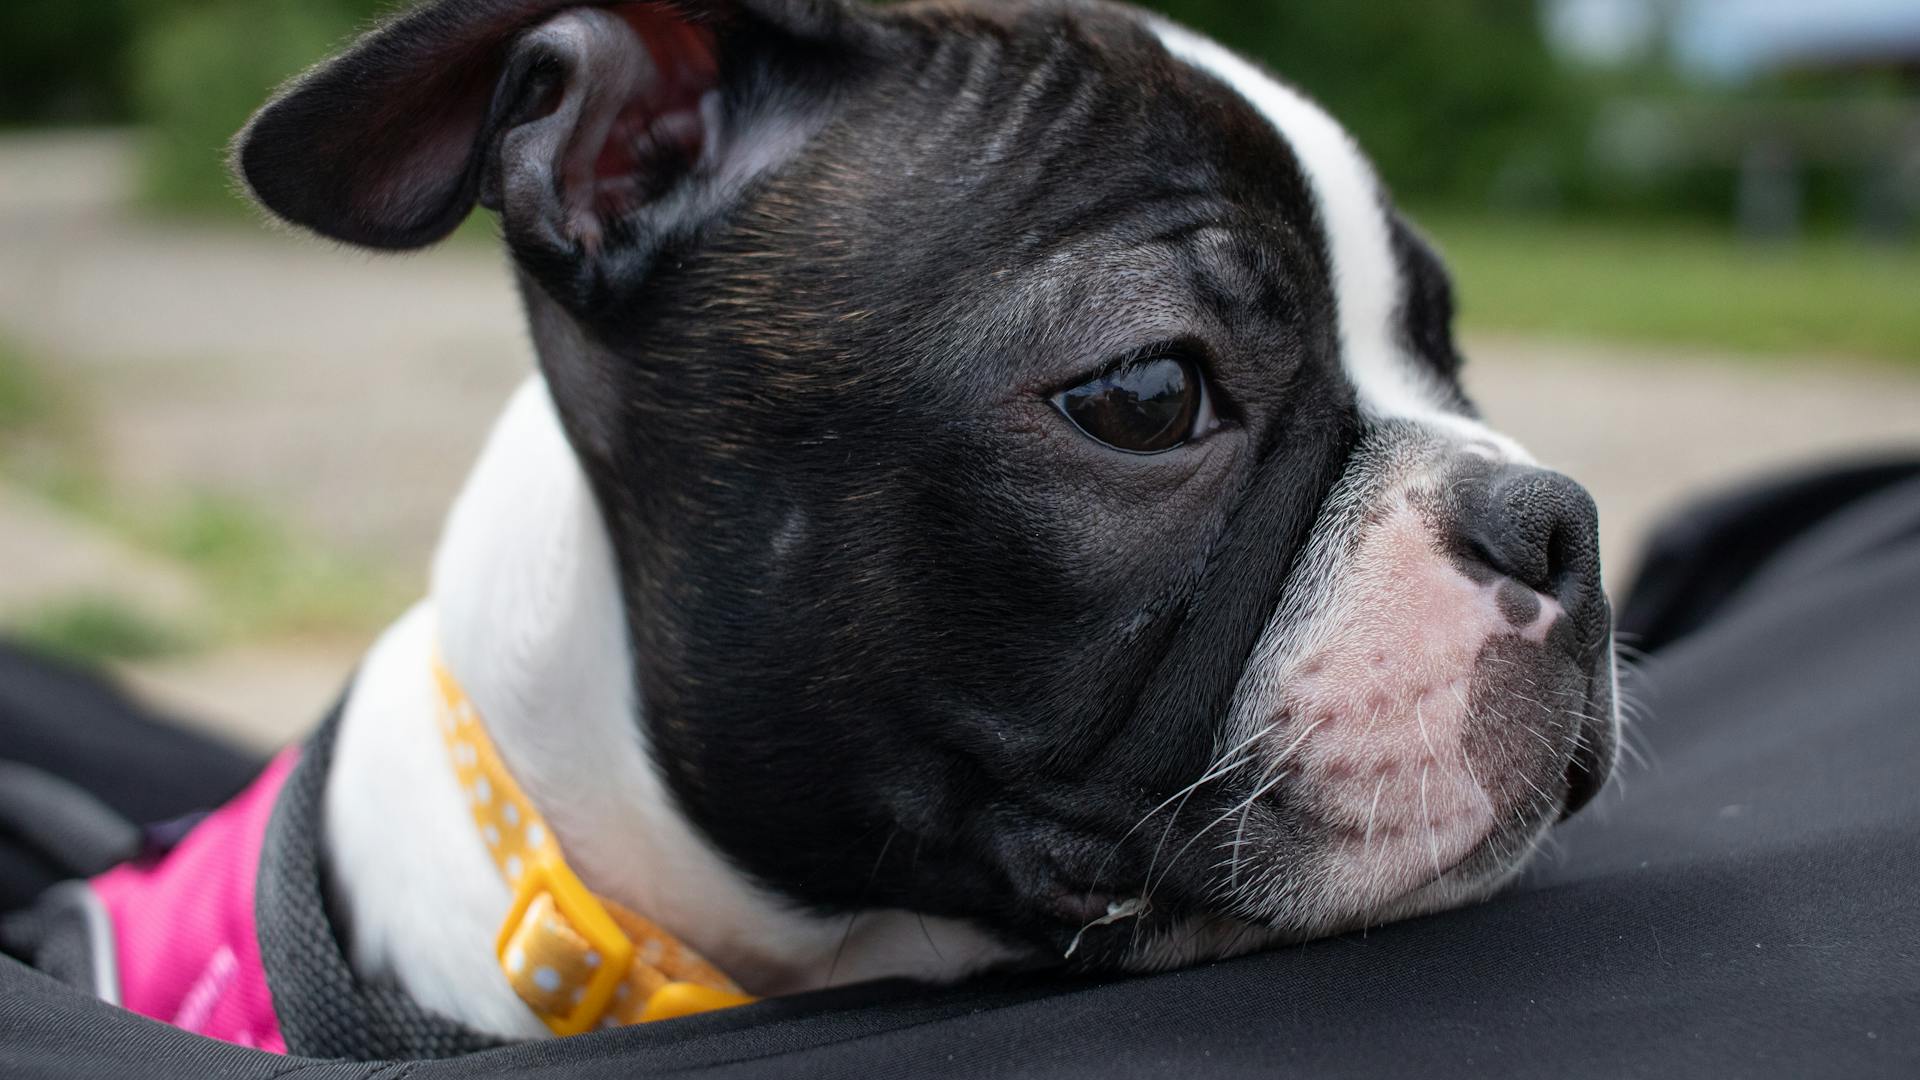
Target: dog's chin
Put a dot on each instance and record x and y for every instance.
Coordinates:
(1288, 893)
(1150, 942)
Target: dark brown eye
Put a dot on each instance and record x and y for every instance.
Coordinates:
(1143, 408)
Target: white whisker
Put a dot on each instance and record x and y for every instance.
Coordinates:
(1433, 841)
(1367, 847)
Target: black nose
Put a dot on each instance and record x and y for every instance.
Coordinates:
(1541, 529)
(1538, 528)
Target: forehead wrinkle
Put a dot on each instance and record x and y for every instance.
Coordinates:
(1104, 298)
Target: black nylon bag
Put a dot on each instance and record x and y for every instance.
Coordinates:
(60, 726)
(1743, 905)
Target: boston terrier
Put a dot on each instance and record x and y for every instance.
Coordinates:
(997, 492)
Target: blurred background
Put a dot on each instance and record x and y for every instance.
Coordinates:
(1686, 235)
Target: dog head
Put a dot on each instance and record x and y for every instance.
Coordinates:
(1032, 450)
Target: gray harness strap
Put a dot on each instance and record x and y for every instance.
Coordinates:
(68, 934)
(325, 1009)
(64, 824)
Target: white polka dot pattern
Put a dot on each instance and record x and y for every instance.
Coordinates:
(551, 963)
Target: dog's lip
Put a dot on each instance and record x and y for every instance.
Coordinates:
(1078, 907)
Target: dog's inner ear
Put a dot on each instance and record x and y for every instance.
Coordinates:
(601, 112)
(570, 120)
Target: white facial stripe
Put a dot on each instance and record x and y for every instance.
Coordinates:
(1366, 274)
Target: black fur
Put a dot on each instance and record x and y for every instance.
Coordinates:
(947, 689)
(904, 638)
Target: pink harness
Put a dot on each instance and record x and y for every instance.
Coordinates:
(183, 927)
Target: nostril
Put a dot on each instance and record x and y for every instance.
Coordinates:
(1560, 560)
(1540, 529)
(1573, 553)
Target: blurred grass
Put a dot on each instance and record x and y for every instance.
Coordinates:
(260, 578)
(1683, 284)
(198, 70)
(40, 418)
(27, 399)
(92, 629)
(265, 579)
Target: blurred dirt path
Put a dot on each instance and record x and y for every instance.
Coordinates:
(351, 393)
(1648, 429)
(344, 390)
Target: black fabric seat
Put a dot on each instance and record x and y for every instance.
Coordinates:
(1742, 904)
(61, 724)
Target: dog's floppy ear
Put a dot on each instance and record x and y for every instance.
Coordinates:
(570, 117)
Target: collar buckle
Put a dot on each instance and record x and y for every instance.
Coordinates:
(560, 948)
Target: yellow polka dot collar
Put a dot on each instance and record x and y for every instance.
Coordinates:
(578, 961)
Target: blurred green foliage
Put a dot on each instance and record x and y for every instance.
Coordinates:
(63, 61)
(190, 70)
(1456, 101)
(1460, 102)
(200, 68)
